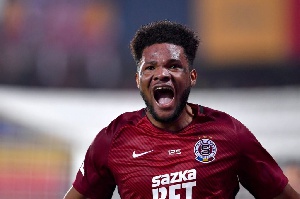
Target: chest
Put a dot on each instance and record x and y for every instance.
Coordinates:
(169, 165)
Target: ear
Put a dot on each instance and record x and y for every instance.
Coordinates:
(193, 76)
(137, 80)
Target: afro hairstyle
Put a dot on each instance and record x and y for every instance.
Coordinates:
(164, 31)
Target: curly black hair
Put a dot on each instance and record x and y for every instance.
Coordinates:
(164, 32)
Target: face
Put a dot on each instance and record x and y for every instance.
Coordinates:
(164, 79)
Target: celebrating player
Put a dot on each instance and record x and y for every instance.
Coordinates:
(173, 149)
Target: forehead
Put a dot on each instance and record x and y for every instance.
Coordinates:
(163, 51)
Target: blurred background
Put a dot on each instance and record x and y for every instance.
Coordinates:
(66, 72)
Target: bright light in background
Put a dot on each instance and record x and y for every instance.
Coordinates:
(75, 117)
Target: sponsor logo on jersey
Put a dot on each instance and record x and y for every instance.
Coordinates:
(166, 186)
(136, 155)
(205, 150)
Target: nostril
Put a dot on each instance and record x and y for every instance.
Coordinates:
(162, 77)
(162, 74)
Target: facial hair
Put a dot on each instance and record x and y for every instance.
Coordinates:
(178, 110)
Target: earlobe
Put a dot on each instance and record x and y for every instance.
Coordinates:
(193, 82)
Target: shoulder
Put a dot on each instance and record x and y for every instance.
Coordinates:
(224, 122)
(125, 119)
(213, 113)
(104, 138)
(219, 116)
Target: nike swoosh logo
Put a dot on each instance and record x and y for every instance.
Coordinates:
(135, 155)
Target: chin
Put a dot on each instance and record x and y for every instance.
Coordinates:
(165, 118)
(172, 115)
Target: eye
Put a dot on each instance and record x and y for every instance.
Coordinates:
(175, 66)
(149, 68)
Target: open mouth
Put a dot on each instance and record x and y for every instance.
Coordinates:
(163, 95)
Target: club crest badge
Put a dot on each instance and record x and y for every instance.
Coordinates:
(205, 150)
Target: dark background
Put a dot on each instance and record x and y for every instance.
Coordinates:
(85, 44)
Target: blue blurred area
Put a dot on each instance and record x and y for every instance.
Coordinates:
(134, 13)
(85, 44)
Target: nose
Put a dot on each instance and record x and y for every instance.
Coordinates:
(162, 74)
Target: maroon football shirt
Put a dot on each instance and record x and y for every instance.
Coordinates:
(206, 159)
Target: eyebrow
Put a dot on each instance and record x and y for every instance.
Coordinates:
(169, 61)
(151, 62)
(174, 60)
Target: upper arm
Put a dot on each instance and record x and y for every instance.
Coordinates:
(288, 193)
(258, 172)
(94, 179)
(73, 194)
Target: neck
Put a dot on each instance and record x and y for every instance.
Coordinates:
(185, 118)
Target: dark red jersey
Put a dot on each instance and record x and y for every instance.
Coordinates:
(206, 159)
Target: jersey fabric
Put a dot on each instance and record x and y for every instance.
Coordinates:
(206, 159)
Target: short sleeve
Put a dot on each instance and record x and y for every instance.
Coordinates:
(94, 179)
(258, 172)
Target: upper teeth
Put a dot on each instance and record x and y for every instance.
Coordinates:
(159, 88)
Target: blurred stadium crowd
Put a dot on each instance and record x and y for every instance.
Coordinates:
(84, 44)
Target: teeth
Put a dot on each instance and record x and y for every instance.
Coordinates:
(161, 88)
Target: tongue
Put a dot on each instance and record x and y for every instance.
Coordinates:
(164, 99)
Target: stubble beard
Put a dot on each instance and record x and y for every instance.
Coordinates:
(178, 110)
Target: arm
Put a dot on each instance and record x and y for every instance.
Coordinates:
(258, 172)
(288, 193)
(94, 179)
(73, 194)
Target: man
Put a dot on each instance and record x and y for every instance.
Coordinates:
(173, 149)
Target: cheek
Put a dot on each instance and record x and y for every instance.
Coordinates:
(182, 77)
(142, 84)
(184, 81)
(144, 79)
